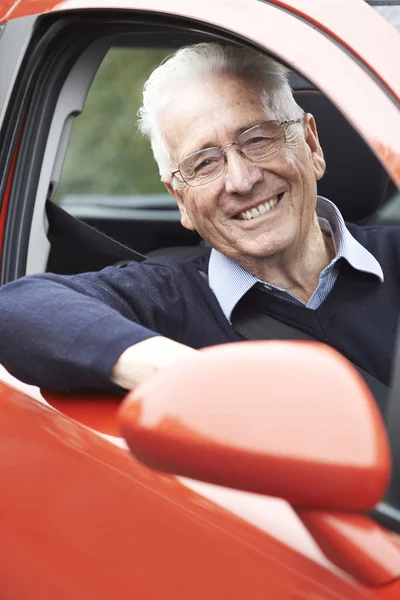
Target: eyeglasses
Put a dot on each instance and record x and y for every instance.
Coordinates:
(255, 143)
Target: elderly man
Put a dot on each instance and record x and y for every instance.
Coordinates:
(242, 161)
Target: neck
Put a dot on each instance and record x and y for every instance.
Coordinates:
(297, 269)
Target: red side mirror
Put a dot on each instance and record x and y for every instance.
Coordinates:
(287, 419)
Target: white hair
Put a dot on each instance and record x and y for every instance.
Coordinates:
(204, 59)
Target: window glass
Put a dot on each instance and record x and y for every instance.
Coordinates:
(389, 11)
(106, 155)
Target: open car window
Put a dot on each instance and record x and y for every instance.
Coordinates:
(111, 182)
(107, 157)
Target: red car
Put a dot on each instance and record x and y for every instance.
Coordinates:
(231, 491)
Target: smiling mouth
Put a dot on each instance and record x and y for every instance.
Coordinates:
(259, 210)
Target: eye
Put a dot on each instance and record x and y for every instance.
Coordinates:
(259, 140)
(258, 146)
(206, 165)
(255, 140)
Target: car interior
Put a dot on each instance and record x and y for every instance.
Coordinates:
(354, 180)
(89, 232)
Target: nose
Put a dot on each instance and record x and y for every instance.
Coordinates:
(241, 173)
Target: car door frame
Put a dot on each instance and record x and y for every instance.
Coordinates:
(379, 137)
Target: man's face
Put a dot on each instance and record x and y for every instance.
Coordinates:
(214, 113)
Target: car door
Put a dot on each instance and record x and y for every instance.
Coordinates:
(81, 518)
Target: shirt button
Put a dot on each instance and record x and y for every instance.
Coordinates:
(267, 286)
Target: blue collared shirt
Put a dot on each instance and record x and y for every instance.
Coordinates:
(229, 281)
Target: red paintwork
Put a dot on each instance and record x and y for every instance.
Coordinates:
(81, 519)
(355, 26)
(357, 544)
(338, 19)
(97, 411)
(292, 437)
(4, 205)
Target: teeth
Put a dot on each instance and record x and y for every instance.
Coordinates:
(259, 210)
(262, 209)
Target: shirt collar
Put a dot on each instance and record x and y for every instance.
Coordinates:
(229, 281)
(346, 245)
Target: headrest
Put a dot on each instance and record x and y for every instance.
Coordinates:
(354, 178)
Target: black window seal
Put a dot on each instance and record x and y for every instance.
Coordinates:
(383, 2)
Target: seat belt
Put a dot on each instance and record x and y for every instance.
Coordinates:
(77, 247)
(388, 512)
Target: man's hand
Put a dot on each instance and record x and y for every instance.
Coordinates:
(144, 359)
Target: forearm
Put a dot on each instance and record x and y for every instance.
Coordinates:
(55, 337)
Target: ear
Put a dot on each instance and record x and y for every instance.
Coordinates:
(312, 141)
(185, 218)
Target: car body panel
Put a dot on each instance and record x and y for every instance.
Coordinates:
(99, 523)
(98, 412)
(338, 19)
(94, 510)
(335, 18)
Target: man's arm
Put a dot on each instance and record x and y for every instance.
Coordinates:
(70, 332)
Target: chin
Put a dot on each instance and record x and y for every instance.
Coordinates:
(258, 251)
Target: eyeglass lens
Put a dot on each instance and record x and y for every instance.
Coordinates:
(255, 143)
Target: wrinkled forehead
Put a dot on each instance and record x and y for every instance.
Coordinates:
(208, 111)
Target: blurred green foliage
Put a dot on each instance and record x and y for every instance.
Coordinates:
(106, 154)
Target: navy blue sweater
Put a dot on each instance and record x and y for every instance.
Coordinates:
(67, 332)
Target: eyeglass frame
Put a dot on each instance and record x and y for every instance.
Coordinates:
(281, 124)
